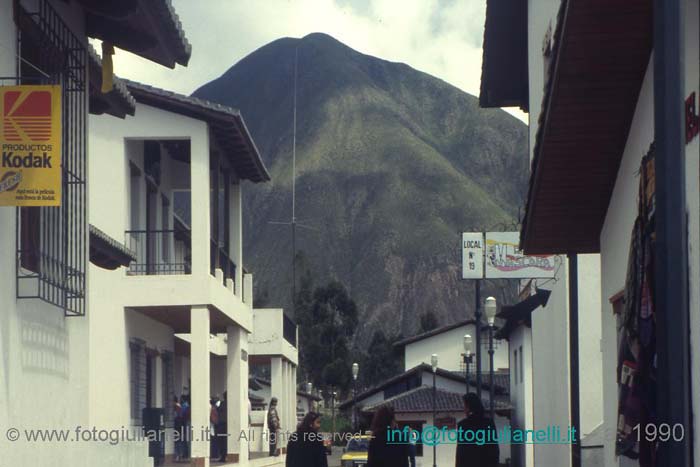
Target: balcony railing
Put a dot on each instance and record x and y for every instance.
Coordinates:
(160, 252)
(289, 330)
(220, 260)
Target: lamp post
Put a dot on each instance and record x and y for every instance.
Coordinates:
(355, 372)
(490, 311)
(333, 409)
(309, 388)
(467, 359)
(434, 364)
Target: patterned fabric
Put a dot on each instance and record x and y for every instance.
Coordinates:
(636, 370)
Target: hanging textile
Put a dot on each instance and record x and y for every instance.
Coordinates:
(636, 369)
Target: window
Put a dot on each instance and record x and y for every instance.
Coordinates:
(134, 196)
(137, 378)
(165, 226)
(52, 242)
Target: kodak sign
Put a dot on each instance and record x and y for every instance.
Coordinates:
(30, 146)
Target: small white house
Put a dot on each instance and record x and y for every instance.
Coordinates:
(411, 396)
(448, 343)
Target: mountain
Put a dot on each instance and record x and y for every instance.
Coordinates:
(392, 164)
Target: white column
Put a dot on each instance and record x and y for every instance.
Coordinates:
(294, 393)
(199, 392)
(236, 235)
(237, 394)
(158, 399)
(277, 387)
(201, 235)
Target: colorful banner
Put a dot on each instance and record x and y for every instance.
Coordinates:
(505, 259)
(30, 144)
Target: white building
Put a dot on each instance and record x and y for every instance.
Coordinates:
(411, 396)
(180, 319)
(45, 324)
(448, 343)
(611, 90)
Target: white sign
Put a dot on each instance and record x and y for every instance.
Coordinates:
(505, 260)
(472, 255)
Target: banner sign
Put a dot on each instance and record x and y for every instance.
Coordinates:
(505, 260)
(472, 255)
(30, 143)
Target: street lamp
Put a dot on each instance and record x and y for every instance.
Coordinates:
(309, 388)
(355, 372)
(333, 394)
(467, 358)
(490, 308)
(434, 364)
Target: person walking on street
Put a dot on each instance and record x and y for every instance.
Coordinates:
(381, 452)
(273, 426)
(305, 447)
(222, 429)
(412, 447)
(472, 454)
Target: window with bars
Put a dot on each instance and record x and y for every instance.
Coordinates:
(52, 248)
(168, 387)
(138, 383)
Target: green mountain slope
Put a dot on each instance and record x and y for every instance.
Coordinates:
(392, 164)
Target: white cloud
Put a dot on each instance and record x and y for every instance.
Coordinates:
(440, 37)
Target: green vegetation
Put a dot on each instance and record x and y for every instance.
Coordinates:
(392, 165)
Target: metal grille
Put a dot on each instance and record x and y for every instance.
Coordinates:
(168, 387)
(138, 379)
(52, 241)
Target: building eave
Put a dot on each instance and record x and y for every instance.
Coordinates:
(600, 54)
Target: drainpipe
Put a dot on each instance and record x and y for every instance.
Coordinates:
(671, 261)
(574, 399)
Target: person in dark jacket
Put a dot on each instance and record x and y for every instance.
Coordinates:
(305, 447)
(474, 450)
(381, 452)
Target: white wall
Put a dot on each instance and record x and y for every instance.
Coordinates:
(541, 15)
(521, 394)
(450, 349)
(615, 240)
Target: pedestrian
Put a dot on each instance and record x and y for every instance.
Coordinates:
(305, 447)
(472, 454)
(222, 429)
(273, 426)
(178, 425)
(412, 439)
(186, 428)
(213, 433)
(381, 452)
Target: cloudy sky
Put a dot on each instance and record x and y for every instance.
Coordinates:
(440, 37)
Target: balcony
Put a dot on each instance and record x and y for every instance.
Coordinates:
(219, 259)
(160, 252)
(274, 334)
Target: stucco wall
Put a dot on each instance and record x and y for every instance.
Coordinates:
(450, 348)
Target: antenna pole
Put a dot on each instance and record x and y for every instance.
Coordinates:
(294, 175)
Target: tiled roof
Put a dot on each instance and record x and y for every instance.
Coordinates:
(107, 252)
(421, 400)
(423, 367)
(118, 102)
(501, 380)
(226, 124)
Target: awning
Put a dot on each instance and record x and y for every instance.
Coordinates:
(107, 252)
(600, 53)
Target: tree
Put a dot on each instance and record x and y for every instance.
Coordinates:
(326, 323)
(382, 360)
(428, 321)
